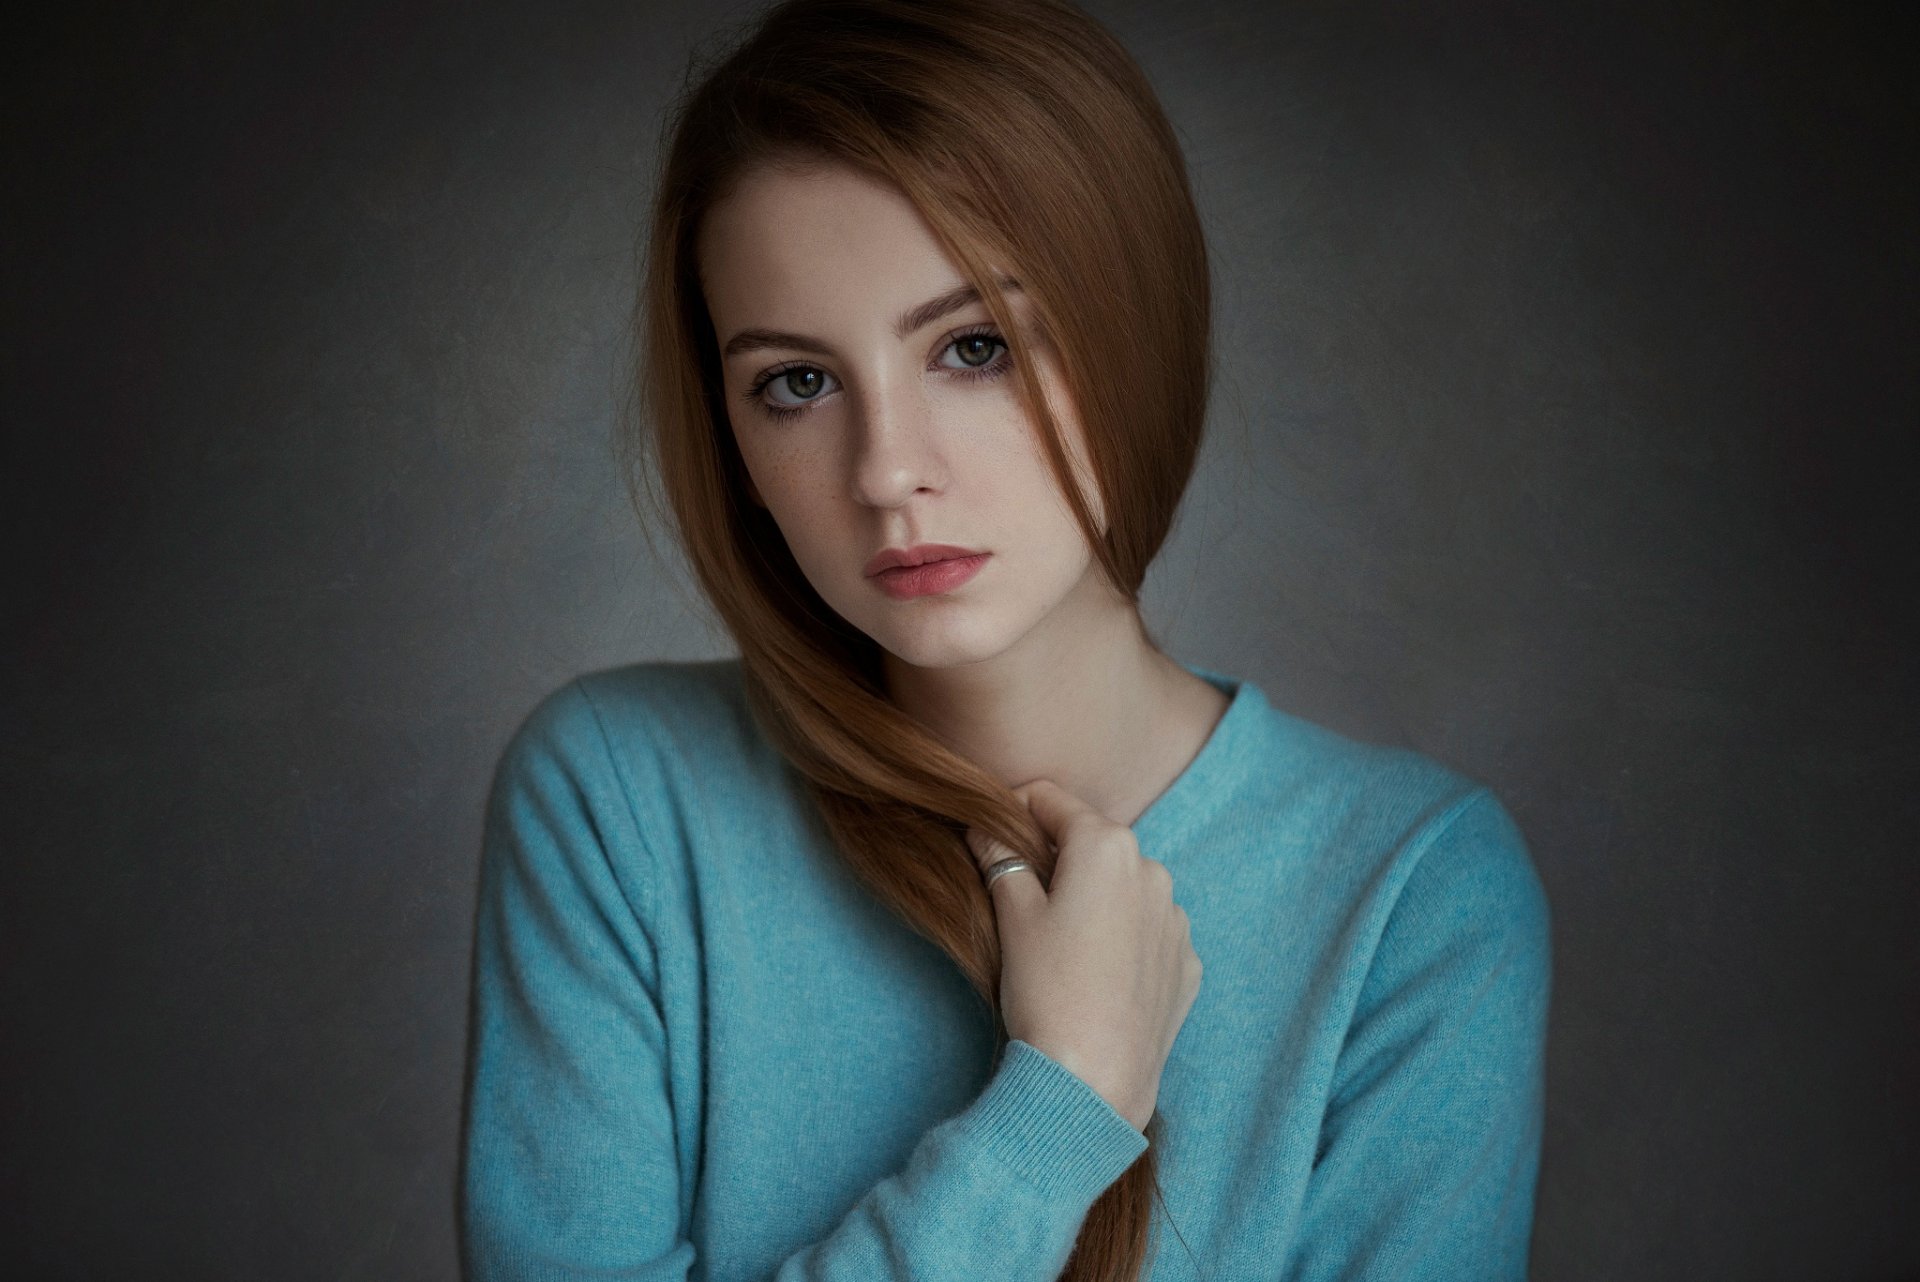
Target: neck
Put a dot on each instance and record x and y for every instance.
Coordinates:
(1085, 700)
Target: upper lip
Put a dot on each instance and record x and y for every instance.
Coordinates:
(918, 554)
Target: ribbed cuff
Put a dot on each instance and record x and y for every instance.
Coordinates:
(1051, 1129)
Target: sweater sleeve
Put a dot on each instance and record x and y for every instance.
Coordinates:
(1429, 1148)
(571, 1162)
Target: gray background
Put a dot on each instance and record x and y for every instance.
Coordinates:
(1567, 353)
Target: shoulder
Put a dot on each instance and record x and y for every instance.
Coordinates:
(640, 726)
(1418, 839)
(635, 704)
(697, 690)
(1429, 884)
(673, 739)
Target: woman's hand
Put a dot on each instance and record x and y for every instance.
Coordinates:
(1097, 969)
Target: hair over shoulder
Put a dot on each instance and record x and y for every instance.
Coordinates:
(1035, 148)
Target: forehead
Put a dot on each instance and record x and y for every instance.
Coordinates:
(827, 242)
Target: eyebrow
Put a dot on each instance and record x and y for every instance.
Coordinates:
(910, 322)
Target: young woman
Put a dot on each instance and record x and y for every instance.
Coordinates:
(877, 952)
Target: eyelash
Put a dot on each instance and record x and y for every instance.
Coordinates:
(993, 369)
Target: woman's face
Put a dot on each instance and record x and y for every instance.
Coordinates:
(870, 417)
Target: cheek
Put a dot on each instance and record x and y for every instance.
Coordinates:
(789, 500)
(815, 526)
(1079, 457)
(749, 466)
(772, 480)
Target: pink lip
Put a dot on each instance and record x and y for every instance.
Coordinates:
(903, 582)
(918, 554)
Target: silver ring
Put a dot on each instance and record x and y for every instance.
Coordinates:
(1016, 864)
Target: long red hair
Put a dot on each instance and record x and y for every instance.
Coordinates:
(1031, 142)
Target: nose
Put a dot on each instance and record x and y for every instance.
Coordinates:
(895, 453)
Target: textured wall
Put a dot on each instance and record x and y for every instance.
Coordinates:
(1564, 356)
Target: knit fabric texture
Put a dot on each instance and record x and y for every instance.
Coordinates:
(700, 1049)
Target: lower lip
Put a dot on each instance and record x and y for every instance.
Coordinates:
(904, 582)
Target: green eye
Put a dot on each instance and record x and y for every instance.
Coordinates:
(981, 351)
(983, 355)
(811, 379)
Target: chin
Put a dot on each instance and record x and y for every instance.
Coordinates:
(943, 639)
(938, 651)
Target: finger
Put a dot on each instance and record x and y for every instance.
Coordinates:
(1056, 808)
(1011, 892)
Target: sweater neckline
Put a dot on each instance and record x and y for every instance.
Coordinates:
(1211, 773)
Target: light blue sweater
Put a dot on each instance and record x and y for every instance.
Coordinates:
(700, 1049)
